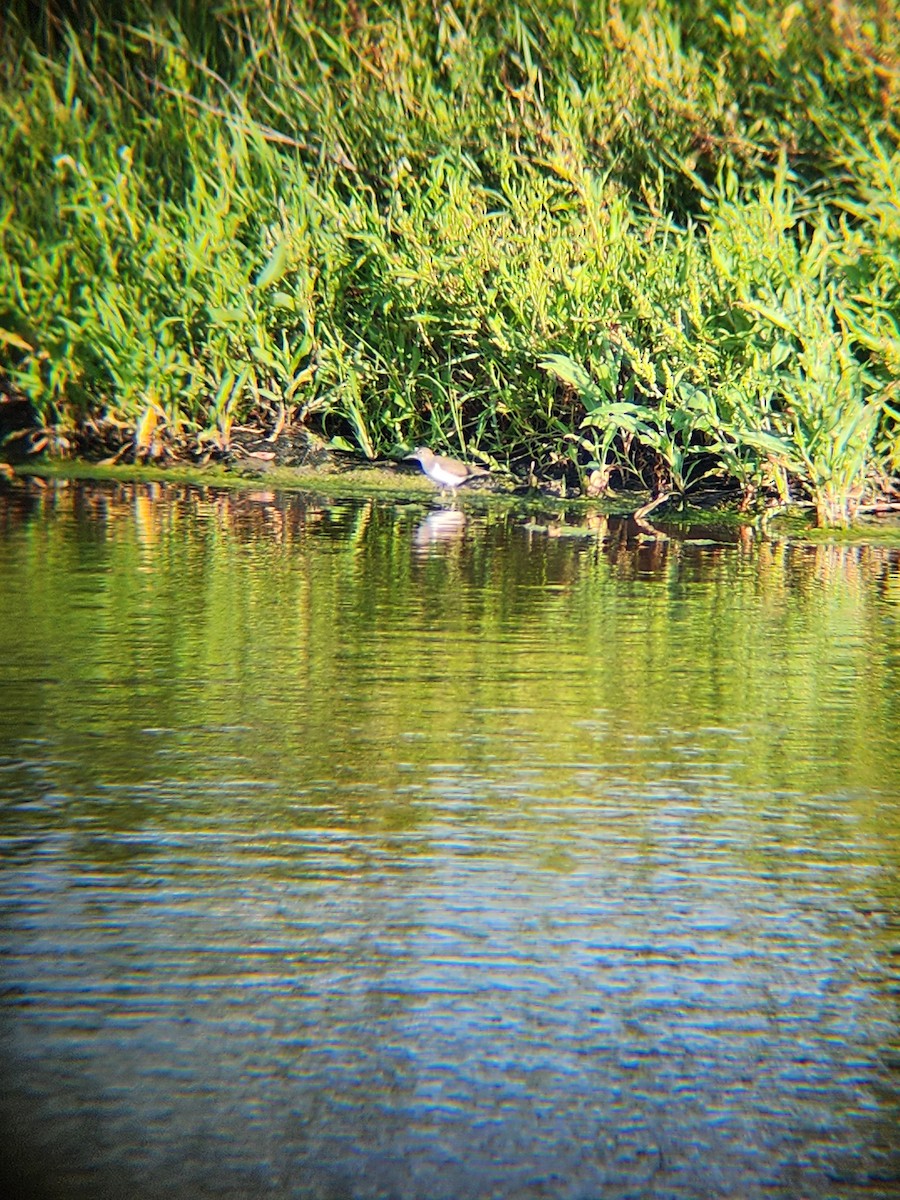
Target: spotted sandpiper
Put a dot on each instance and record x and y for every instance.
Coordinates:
(446, 472)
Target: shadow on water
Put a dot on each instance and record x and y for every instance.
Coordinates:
(357, 849)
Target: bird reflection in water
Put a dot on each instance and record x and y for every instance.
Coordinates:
(443, 525)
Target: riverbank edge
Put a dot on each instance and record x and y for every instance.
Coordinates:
(361, 481)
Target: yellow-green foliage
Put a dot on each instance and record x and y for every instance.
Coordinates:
(426, 222)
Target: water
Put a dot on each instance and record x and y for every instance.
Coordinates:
(351, 850)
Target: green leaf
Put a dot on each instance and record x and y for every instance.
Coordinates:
(275, 267)
(567, 369)
(772, 315)
(227, 316)
(769, 444)
(13, 339)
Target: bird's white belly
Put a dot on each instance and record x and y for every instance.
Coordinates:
(444, 477)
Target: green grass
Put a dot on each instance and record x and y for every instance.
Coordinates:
(654, 242)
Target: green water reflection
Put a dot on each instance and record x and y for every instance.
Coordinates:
(312, 643)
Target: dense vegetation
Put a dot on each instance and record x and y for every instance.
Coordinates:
(654, 241)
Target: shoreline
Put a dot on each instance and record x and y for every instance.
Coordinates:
(355, 480)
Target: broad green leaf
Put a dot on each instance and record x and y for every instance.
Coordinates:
(769, 443)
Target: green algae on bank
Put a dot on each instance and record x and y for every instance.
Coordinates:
(333, 479)
(368, 480)
(359, 481)
(881, 529)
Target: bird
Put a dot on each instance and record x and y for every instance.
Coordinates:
(446, 472)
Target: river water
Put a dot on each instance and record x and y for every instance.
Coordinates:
(356, 849)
